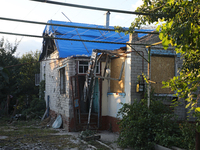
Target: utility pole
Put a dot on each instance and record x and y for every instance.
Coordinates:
(149, 75)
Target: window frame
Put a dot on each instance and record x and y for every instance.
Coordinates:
(78, 69)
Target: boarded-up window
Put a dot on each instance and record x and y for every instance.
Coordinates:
(162, 69)
(117, 86)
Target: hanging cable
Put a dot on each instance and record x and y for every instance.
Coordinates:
(47, 37)
(63, 25)
(90, 7)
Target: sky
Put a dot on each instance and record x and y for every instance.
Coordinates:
(42, 12)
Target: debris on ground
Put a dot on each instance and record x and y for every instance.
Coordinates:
(89, 135)
(57, 123)
(30, 135)
(48, 122)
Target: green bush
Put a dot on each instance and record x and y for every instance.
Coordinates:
(141, 127)
(36, 109)
(187, 137)
(37, 105)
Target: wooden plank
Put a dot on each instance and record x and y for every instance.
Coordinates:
(162, 69)
(117, 86)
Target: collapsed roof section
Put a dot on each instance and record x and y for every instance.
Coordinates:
(68, 48)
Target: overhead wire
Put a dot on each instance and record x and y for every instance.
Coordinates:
(30, 62)
(91, 7)
(73, 5)
(25, 17)
(47, 37)
(64, 25)
(76, 27)
(82, 10)
(120, 4)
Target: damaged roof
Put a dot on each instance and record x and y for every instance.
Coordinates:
(68, 48)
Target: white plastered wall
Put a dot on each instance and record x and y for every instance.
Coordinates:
(111, 103)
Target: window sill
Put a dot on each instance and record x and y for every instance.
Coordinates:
(120, 94)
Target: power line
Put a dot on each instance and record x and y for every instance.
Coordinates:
(77, 33)
(90, 7)
(31, 62)
(62, 25)
(47, 37)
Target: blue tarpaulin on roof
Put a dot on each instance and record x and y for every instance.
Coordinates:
(68, 48)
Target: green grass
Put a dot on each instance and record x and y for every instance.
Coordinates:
(30, 132)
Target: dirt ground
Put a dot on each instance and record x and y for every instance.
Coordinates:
(31, 135)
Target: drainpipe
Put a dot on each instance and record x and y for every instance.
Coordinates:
(48, 97)
(107, 19)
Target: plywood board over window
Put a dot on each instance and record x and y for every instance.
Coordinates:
(162, 69)
(115, 85)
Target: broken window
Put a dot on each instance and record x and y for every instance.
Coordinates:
(83, 67)
(62, 80)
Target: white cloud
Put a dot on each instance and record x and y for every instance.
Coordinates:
(27, 45)
(120, 17)
(136, 5)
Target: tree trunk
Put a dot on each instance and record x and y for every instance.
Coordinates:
(197, 145)
(14, 112)
(8, 104)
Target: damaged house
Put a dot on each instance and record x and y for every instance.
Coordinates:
(86, 82)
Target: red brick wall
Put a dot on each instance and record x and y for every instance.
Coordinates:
(71, 125)
(52, 114)
(109, 123)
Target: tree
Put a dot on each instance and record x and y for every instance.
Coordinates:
(8, 76)
(17, 76)
(180, 27)
(8, 82)
(30, 66)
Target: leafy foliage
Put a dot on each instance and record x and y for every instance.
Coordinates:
(36, 109)
(17, 77)
(141, 128)
(187, 138)
(179, 26)
(8, 76)
(28, 70)
(37, 105)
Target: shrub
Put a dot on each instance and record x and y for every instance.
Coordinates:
(187, 138)
(141, 127)
(37, 105)
(36, 109)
